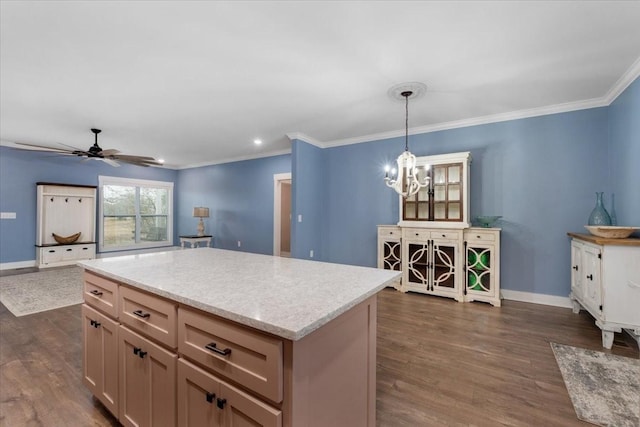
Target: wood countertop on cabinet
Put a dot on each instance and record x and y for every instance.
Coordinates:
(629, 241)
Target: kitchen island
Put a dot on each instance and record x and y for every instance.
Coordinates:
(215, 337)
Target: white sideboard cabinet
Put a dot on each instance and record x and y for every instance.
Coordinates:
(454, 263)
(65, 209)
(605, 281)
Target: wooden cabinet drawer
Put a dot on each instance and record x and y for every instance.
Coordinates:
(249, 357)
(445, 234)
(416, 234)
(101, 293)
(479, 236)
(389, 232)
(148, 314)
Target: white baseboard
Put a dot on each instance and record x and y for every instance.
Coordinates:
(544, 299)
(16, 265)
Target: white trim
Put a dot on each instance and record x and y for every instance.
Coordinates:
(18, 264)
(306, 138)
(544, 299)
(131, 182)
(278, 179)
(623, 82)
(235, 159)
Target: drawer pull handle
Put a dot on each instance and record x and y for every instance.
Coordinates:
(221, 402)
(95, 323)
(213, 347)
(479, 237)
(142, 314)
(52, 251)
(210, 397)
(138, 351)
(575, 267)
(69, 250)
(417, 234)
(590, 277)
(96, 293)
(444, 235)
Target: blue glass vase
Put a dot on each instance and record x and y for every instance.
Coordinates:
(599, 215)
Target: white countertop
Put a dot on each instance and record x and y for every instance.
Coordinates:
(286, 297)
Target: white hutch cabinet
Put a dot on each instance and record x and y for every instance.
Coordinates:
(65, 209)
(434, 244)
(605, 281)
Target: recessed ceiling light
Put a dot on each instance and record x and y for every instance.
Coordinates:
(257, 141)
(160, 160)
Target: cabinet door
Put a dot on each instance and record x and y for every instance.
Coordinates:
(576, 270)
(418, 272)
(100, 357)
(442, 199)
(389, 251)
(147, 382)
(206, 401)
(197, 394)
(242, 410)
(591, 277)
(480, 278)
(444, 262)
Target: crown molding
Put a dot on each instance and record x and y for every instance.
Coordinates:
(306, 138)
(494, 118)
(623, 82)
(235, 159)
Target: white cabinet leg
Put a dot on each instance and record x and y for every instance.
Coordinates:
(607, 339)
(576, 306)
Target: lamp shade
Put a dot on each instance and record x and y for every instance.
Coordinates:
(201, 212)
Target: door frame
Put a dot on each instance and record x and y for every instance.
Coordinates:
(278, 179)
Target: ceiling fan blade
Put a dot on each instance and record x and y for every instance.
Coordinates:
(109, 162)
(42, 148)
(125, 156)
(109, 152)
(137, 160)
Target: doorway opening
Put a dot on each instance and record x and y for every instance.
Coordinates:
(282, 214)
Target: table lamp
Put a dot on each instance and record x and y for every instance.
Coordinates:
(201, 213)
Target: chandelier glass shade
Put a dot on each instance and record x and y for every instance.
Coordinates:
(407, 178)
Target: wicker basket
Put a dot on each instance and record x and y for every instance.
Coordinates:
(66, 240)
(610, 231)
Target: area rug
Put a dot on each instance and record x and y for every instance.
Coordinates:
(604, 388)
(44, 290)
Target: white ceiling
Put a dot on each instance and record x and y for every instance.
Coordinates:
(196, 82)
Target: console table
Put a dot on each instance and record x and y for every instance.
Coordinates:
(194, 241)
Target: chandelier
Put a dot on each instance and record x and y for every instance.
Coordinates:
(406, 179)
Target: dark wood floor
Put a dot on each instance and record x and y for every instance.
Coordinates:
(440, 363)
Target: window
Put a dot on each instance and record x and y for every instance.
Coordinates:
(135, 213)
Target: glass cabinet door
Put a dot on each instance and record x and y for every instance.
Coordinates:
(441, 200)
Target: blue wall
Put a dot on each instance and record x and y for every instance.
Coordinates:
(624, 160)
(308, 195)
(239, 196)
(540, 174)
(19, 172)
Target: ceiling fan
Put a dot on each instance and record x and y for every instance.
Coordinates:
(110, 156)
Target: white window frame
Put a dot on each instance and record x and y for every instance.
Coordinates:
(129, 182)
